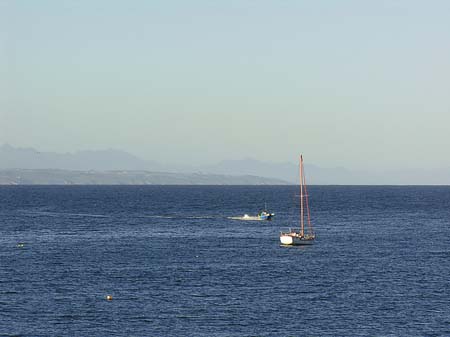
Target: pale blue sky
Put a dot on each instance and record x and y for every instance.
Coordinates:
(360, 84)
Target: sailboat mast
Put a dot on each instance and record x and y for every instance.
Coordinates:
(308, 215)
(301, 197)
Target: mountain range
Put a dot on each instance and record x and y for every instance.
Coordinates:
(242, 171)
(103, 160)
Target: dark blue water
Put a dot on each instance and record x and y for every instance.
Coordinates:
(176, 266)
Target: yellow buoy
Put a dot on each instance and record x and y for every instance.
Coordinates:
(108, 297)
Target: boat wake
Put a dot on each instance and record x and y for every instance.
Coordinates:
(246, 218)
(182, 217)
(63, 214)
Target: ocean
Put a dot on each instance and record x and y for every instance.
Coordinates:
(176, 265)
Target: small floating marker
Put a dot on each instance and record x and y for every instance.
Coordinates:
(20, 245)
(108, 297)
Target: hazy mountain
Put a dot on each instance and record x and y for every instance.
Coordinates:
(110, 160)
(29, 166)
(338, 175)
(29, 158)
(289, 172)
(284, 171)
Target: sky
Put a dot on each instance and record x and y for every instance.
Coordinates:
(357, 84)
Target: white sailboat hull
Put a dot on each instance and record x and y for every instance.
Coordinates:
(295, 240)
(286, 240)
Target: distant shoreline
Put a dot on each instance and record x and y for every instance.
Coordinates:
(61, 177)
(71, 177)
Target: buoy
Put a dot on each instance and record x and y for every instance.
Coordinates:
(108, 297)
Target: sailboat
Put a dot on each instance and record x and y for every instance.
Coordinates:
(301, 236)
